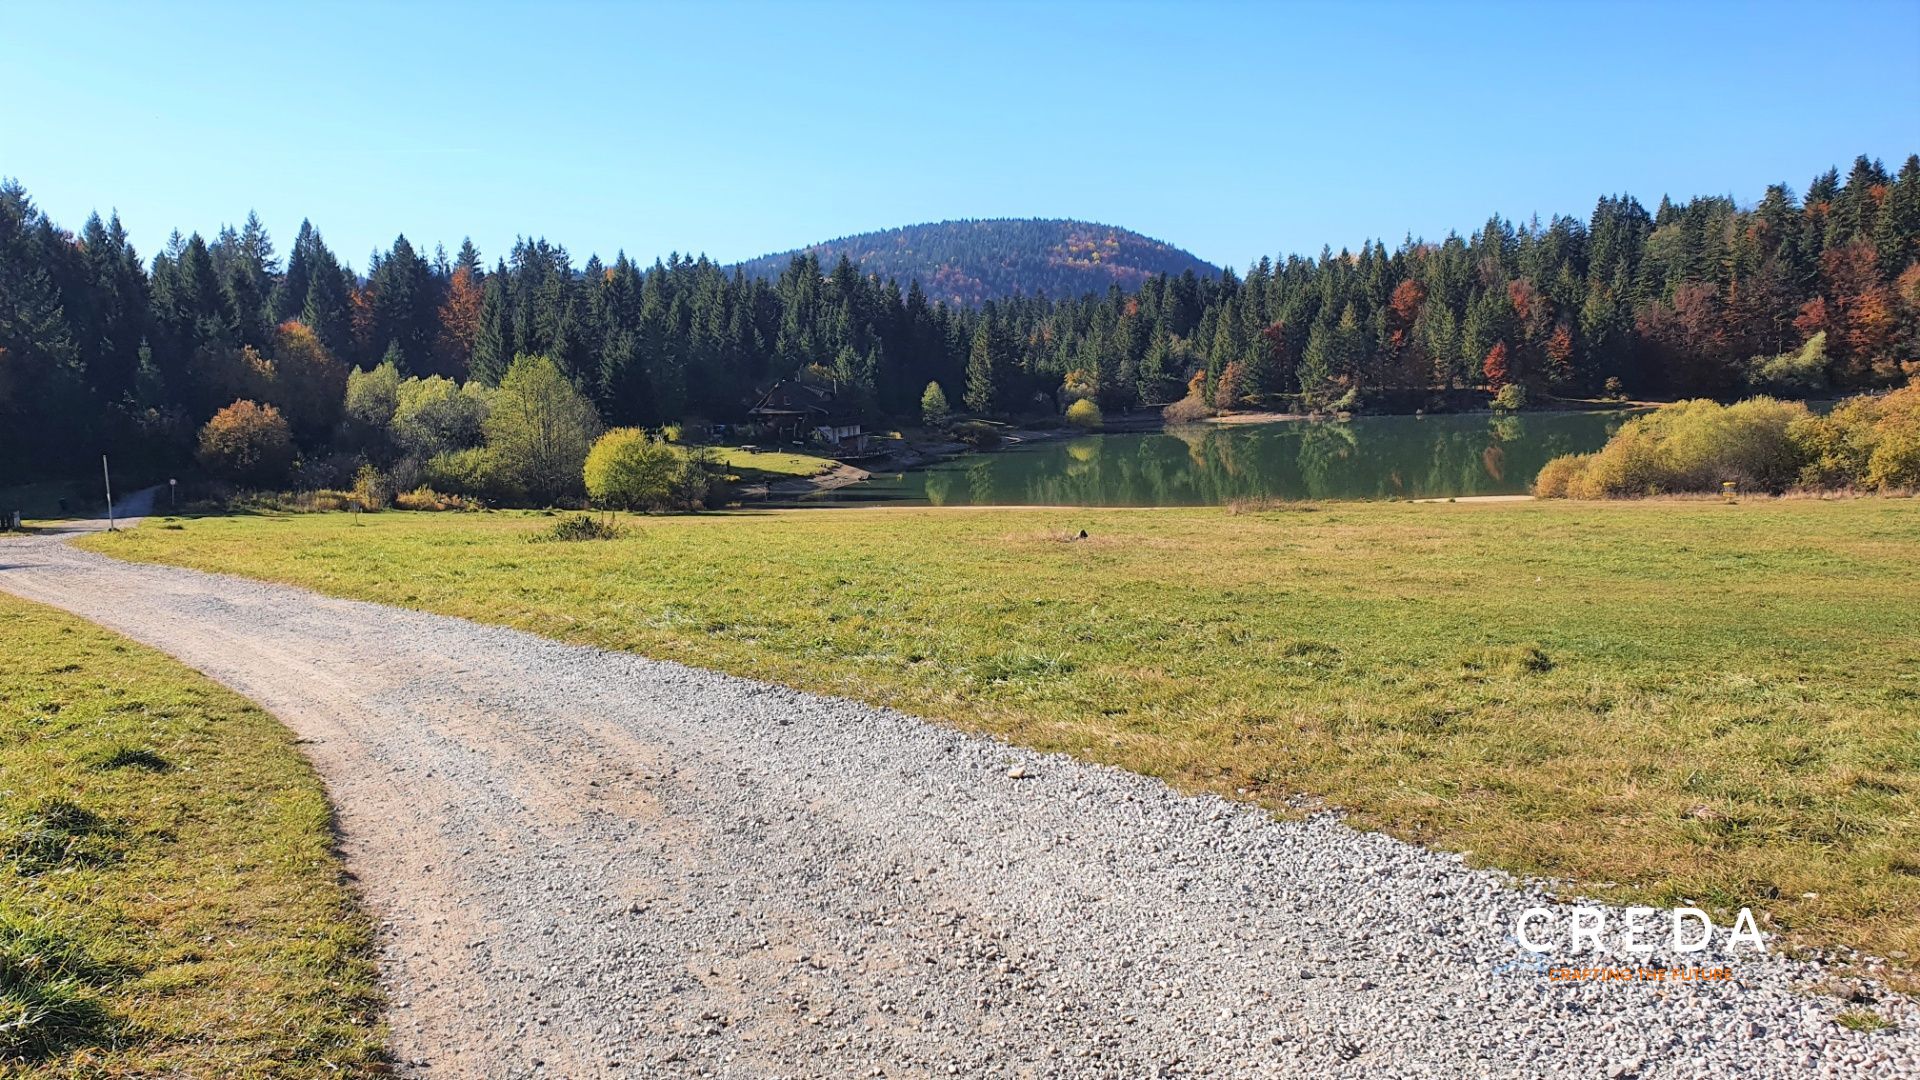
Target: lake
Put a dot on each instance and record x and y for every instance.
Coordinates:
(1372, 457)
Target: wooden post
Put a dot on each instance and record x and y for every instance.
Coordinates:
(108, 476)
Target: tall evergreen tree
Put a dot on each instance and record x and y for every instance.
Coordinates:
(983, 373)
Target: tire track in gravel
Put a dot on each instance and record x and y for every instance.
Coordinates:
(591, 864)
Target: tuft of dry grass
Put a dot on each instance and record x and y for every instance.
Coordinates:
(1864, 1020)
(1239, 507)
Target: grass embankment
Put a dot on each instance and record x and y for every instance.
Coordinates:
(170, 904)
(1664, 702)
(756, 466)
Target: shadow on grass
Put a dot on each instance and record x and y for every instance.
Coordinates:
(49, 994)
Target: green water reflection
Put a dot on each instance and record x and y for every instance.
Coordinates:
(1366, 458)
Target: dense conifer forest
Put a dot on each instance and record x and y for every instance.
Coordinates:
(104, 349)
(970, 262)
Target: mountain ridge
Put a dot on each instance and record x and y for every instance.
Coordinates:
(968, 261)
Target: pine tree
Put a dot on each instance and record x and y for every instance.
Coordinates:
(255, 252)
(328, 310)
(120, 308)
(248, 304)
(1157, 380)
(1317, 362)
(624, 390)
(405, 307)
(42, 394)
(289, 297)
(493, 337)
(1897, 236)
(983, 375)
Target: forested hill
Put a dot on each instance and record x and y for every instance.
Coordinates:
(966, 263)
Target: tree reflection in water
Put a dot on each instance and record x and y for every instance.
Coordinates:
(1211, 464)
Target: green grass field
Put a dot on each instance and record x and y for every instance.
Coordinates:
(1658, 701)
(170, 904)
(755, 466)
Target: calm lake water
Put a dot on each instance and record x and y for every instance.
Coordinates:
(1374, 457)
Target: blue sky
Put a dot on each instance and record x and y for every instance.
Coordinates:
(739, 129)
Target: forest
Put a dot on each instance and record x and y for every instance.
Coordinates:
(1802, 293)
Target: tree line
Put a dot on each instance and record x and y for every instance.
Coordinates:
(103, 350)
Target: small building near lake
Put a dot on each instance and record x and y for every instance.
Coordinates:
(802, 412)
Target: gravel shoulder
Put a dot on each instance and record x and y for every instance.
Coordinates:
(593, 864)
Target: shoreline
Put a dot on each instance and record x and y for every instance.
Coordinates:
(803, 492)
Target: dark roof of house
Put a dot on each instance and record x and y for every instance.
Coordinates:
(792, 398)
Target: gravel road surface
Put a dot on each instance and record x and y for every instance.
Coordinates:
(592, 864)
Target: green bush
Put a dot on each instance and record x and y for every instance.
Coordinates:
(1689, 446)
(1187, 410)
(373, 396)
(977, 435)
(425, 498)
(1511, 398)
(1704, 444)
(372, 489)
(1084, 414)
(1867, 442)
(1896, 458)
(247, 443)
(693, 480)
(539, 427)
(629, 470)
(934, 411)
(466, 472)
(1557, 476)
(436, 415)
(575, 527)
(1800, 372)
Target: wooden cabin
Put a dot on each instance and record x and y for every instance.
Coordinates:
(803, 412)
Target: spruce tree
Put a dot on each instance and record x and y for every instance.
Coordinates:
(982, 374)
(256, 254)
(289, 296)
(1897, 235)
(493, 342)
(328, 310)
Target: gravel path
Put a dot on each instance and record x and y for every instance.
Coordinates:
(592, 864)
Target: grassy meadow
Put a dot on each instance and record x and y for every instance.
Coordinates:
(170, 904)
(1665, 701)
(770, 465)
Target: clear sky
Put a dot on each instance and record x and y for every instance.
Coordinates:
(739, 129)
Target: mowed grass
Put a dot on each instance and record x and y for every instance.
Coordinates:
(1657, 701)
(170, 904)
(771, 465)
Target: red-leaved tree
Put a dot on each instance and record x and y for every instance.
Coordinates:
(1496, 366)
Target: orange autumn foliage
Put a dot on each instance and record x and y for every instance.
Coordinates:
(460, 317)
(1499, 371)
